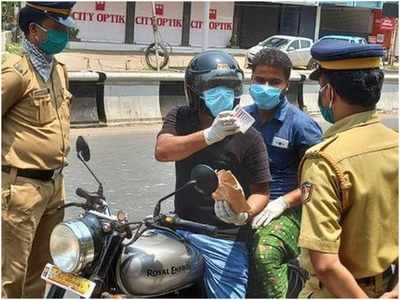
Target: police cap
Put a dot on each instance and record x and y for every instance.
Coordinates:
(58, 11)
(342, 55)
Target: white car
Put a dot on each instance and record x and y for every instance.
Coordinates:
(297, 48)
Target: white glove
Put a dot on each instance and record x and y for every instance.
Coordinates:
(223, 125)
(273, 209)
(224, 212)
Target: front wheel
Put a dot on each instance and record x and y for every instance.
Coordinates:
(55, 292)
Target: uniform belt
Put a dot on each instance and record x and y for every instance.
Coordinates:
(371, 280)
(44, 175)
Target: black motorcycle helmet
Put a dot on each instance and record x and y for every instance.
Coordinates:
(210, 69)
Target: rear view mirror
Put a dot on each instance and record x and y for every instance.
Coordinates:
(82, 149)
(206, 180)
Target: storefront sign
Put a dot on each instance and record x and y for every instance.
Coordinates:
(100, 21)
(169, 21)
(386, 24)
(220, 24)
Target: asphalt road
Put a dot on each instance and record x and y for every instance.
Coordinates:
(123, 159)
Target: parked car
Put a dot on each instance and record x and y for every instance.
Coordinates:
(297, 48)
(351, 39)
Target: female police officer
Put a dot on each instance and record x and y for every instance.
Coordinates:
(349, 182)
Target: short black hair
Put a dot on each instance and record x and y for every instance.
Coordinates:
(27, 16)
(274, 58)
(357, 87)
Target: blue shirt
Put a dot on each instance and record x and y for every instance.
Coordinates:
(287, 136)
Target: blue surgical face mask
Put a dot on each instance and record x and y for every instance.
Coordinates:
(265, 97)
(56, 41)
(326, 112)
(218, 99)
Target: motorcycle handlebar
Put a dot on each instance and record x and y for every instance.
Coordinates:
(82, 193)
(194, 225)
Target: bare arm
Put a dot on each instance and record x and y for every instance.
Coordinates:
(338, 280)
(258, 199)
(174, 148)
(293, 198)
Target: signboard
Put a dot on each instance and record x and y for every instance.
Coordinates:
(383, 27)
(220, 24)
(386, 24)
(169, 21)
(100, 21)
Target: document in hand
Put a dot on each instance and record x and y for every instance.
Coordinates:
(229, 189)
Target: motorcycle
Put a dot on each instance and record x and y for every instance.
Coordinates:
(101, 255)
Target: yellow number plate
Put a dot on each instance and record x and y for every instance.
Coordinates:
(71, 282)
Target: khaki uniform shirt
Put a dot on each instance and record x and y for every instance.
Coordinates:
(35, 115)
(350, 191)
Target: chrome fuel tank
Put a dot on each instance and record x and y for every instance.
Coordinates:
(157, 263)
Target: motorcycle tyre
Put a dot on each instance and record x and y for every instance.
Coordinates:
(297, 278)
(55, 292)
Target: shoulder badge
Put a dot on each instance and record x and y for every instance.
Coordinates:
(306, 191)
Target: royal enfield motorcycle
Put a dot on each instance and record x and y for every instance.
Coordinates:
(102, 255)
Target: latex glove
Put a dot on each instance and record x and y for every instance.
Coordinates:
(223, 125)
(273, 210)
(224, 212)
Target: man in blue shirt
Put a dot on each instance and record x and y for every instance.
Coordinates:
(288, 133)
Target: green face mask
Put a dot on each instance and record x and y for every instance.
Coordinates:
(326, 112)
(56, 41)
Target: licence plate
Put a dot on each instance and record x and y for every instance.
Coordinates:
(71, 282)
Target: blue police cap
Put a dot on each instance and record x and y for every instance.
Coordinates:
(58, 11)
(342, 55)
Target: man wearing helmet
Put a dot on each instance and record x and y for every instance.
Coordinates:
(207, 132)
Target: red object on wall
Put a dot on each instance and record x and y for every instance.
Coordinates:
(383, 26)
(159, 9)
(212, 14)
(100, 5)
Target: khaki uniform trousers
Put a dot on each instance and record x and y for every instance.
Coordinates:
(314, 289)
(29, 215)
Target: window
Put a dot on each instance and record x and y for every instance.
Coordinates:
(275, 43)
(294, 45)
(305, 44)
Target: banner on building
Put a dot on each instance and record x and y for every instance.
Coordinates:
(169, 21)
(100, 21)
(220, 24)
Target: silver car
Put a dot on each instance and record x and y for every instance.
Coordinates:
(297, 48)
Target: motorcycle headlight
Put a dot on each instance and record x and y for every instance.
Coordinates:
(71, 246)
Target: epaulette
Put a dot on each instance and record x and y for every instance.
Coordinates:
(322, 145)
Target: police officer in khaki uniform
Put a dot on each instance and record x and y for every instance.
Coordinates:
(35, 143)
(349, 181)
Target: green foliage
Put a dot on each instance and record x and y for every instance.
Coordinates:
(14, 48)
(73, 34)
(9, 10)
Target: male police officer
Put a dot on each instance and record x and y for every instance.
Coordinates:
(35, 143)
(349, 182)
(206, 132)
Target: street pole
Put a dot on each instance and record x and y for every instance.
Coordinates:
(317, 23)
(155, 31)
(392, 43)
(205, 24)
